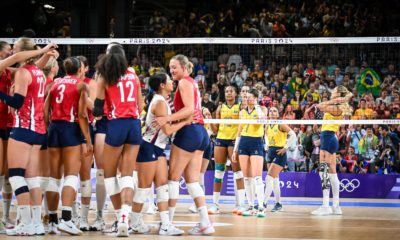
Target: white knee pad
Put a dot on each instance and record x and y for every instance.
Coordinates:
(162, 193)
(195, 190)
(100, 177)
(86, 188)
(126, 182)
(71, 181)
(219, 175)
(258, 181)
(33, 182)
(238, 175)
(173, 189)
(112, 186)
(135, 179)
(19, 184)
(7, 187)
(141, 195)
(44, 181)
(53, 185)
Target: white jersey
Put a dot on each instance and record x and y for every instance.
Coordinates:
(154, 135)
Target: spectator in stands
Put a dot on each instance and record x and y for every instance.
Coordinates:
(207, 103)
(368, 144)
(214, 95)
(363, 112)
(289, 114)
(384, 98)
(352, 69)
(351, 160)
(388, 140)
(315, 95)
(354, 134)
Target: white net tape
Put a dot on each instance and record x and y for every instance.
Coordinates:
(304, 122)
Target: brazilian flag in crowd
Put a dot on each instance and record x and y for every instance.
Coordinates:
(369, 81)
(297, 84)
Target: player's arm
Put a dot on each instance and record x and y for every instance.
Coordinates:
(47, 110)
(22, 80)
(160, 109)
(83, 90)
(214, 127)
(98, 109)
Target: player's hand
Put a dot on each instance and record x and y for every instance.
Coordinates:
(234, 157)
(50, 47)
(281, 151)
(89, 149)
(160, 121)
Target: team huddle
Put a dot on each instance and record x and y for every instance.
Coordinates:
(53, 129)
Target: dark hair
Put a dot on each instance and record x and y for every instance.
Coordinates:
(113, 65)
(254, 92)
(84, 60)
(3, 44)
(231, 86)
(385, 127)
(72, 65)
(154, 83)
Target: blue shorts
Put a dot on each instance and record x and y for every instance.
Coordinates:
(208, 152)
(45, 143)
(191, 138)
(64, 134)
(123, 131)
(4, 134)
(273, 157)
(27, 136)
(329, 142)
(251, 146)
(224, 143)
(101, 125)
(149, 152)
(91, 134)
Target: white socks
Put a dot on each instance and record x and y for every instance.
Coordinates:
(216, 196)
(249, 187)
(36, 214)
(335, 188)
(204, 220)
(277, 190)
(269, 186)
(259, 187)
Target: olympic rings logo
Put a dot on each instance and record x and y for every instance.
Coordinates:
(182, 183)
(349, 185)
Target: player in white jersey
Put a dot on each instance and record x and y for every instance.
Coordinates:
(151, 161)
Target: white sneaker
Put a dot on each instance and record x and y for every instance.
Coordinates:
(193, 208)
(214, 209)
(98, 225)
(140, 226)
(337, 210)
(112, 229)
(68, 227)
(39, 229)
(123, 229)
(2, 228)
(53, 228)
(199, 230)
(170, 230)
(322, 211)
(21, 230)
(84, 225)
(76, 220)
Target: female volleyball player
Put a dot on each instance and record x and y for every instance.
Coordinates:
(119, 88)
(249, 146)
(151, 161)
(224, 148)
(280, 137)
(189, 143)
(334, 109)
(67, 105)
(27, 135)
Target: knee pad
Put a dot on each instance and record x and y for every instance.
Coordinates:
(173, 189)
(126, 182)
(195, 190)
(53, 185)
(162, 193)
(141, 195)
(71, 181)
(220, 166)
(17, 180)
(219, 176)
(7, 189)
(135, 179)
(33, 182)
(323, 173)
(238, 175)
(112, 186)
(100, 177)
(44, 181)
(258, 181)
(86, 188)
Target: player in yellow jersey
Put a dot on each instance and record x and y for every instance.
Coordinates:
(280, 138)
(334, 109)
(249, 147)
(226, 135)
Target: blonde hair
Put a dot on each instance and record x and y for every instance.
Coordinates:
(49, 65)
(184, 61)
(346, 109)
(27, 44)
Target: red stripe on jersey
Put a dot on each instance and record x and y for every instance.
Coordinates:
(64, 99)
(31, 114)
(5, 85)
(178, 103)
(121, 98)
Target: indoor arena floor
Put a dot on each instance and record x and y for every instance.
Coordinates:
(361, 219)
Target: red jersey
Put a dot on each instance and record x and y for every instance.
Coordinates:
(121, 98)
(5, 85)
(64, 99)
(178, 104)
(31, 114)
(90, 115)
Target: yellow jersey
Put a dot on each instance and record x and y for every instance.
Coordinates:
(276, 137)
(331, 127)
(228, 131)
(252, 130)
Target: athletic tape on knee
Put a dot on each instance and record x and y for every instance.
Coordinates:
(126, 182)
(86, 188)
(33, 182)
(173, 189)
(100, 177)
(44, 181)
(53, 185)
(7, 187)
(141, 195)
(112, 186)
(219, 176)
(323, 173)
(71, 181)
(195, 190)
(238, 175)
(162, 193)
